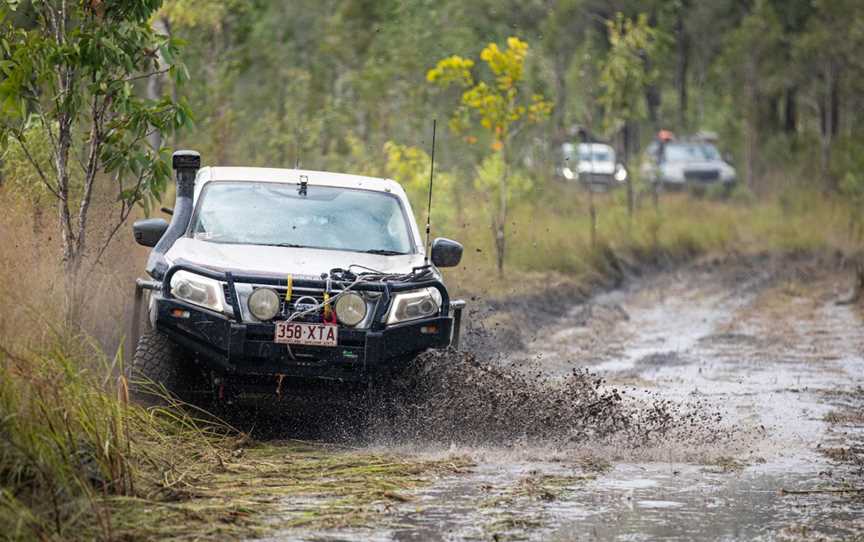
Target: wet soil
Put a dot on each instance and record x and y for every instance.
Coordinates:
(719, 401)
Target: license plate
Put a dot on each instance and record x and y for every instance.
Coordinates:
(309, 334)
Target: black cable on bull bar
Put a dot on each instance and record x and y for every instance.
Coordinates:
(386, 288)
(230, 278)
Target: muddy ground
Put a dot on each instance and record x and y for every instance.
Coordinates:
(722, 400)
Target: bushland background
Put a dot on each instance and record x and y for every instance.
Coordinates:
(351, 85)
(344, 86)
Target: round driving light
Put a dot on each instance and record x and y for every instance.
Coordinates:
(264, 303)
(350, 309)
(183, 290)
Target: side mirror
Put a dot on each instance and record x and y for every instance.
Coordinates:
(446, 253)
(149, 231)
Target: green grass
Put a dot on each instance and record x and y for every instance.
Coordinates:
(549, 240)
(69, 438)
(79, 462)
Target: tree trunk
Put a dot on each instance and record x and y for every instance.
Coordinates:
(559, 66)
(501, 221)
(790, 109)
(155, 83)
(592, 214)
(825, 144)
(751, 124)
(61, 163)
(835, 103)
(682, 43)
(829, 113)
(653, 99)
(631, 203)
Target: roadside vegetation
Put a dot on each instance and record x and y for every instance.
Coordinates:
(78, 461)
(78, 161)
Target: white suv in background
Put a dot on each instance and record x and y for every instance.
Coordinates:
(593, 164)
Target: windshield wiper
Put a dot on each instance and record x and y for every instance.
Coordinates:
(385, 252)
(289, 245)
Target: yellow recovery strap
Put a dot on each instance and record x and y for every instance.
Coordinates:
(290, 282)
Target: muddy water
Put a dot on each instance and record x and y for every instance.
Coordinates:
(741, 365)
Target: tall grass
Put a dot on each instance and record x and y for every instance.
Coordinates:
(549, 238)
(69, 438)
(72, 447)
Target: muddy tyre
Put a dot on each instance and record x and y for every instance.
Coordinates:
(158, 363)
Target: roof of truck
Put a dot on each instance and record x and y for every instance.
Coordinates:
(278, 175)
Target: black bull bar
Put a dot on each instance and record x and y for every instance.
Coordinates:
(386, 288)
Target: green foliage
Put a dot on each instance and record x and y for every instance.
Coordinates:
(489, 175)
(73, 75)
(500, 109)
(198, 14)
(625, 73)
(497, 106)
(22, 178)
(410, 166)
(751, 51)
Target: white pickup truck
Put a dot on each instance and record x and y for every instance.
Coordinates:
(267, 277)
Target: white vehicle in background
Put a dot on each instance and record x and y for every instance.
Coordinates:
(593, 164)
(679, 164)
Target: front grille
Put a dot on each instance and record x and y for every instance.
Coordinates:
(702, 174)
(229, 299)
(308, 296)
(595, 178)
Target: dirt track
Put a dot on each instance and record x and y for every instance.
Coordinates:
(762, 351)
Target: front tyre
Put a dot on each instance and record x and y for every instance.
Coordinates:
(159, 369)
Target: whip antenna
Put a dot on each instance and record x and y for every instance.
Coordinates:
(431, 177)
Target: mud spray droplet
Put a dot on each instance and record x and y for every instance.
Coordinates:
(453, 397)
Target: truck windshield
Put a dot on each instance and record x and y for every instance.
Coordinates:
(691, 152)
(583, 152)
(326, 217)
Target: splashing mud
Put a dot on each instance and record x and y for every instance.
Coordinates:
(704, 394)
(454, 398)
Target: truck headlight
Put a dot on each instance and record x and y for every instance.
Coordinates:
(620, 173)
(263, 304)
(198, 290)
(350, 308)
(414, 305)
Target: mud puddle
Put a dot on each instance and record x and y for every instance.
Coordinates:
(717, 389)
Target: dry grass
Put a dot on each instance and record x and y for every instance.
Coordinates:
(291, 485)
(549, 240)
(77, 461)
(32, 292)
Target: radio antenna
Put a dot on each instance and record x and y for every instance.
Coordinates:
(431, 177)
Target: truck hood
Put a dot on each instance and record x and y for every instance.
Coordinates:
(267, 260)
(697, 165)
